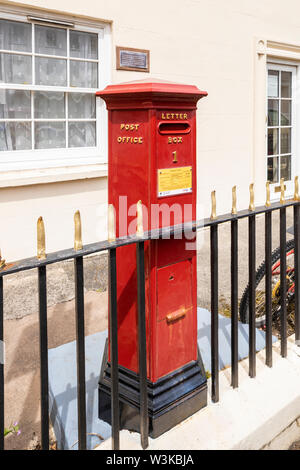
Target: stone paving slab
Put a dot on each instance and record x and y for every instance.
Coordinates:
(254, 416)
(22, 367)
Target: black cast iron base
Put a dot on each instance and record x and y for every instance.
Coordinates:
(171, 399)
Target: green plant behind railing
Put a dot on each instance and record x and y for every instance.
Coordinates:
(13, 429)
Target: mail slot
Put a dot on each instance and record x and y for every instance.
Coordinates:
(152, 158)
(169, 128)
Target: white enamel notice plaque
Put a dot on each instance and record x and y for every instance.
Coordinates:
(173, 181)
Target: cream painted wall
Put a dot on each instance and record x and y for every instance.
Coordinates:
(207, 43)
(56, 202)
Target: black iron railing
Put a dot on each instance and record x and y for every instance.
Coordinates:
(213, 224)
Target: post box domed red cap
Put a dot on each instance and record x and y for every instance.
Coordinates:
(150, 90)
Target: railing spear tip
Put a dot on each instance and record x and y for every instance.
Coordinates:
(268, 202)
(77, 231)
(282, 190)
(234, 209)
(41, 243)
(213, 206)
(139, 214)
(296, 193)
(251, 205)
(111, 223)
(2, 261)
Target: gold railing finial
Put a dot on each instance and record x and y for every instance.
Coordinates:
(2, 261)
(41, 244)
(268, 203)
(213, 206)
(111, 223)
(296, 192)
(139, 214)
(281, 190)
(234, 210)
(251, 205)
(77, 232)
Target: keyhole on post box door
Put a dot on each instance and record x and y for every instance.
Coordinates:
(175, 157)
(171, 278)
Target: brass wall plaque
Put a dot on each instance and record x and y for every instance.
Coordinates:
(172, 181)
(129, 58)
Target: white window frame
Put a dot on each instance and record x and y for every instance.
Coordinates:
(272, 64)
(65, 157)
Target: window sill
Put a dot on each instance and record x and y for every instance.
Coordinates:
(9, 179)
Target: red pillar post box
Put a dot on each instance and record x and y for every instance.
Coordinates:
(152, 158)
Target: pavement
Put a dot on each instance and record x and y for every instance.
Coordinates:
(22, 387)
(262, 413)
(63, 380)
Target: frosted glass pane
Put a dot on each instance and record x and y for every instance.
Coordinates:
(273, 83)
(15, 36)
(15, 104)
(50, 135)
(83, 74)
(15, 68)
(83, 45)
(50, 41)
(285, 119)
(285, 167)
(273, 112)
(82, 134)
(285, 140)
(82, 106)
(272, 141)
(15, 136)
(286, 84)
(48, 105)
(273, 170)
(50, 71)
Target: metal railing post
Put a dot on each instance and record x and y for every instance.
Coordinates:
(113, 331)
(252, 329)
(144, 421)
(283, 284)
(297, 271)
(1, 367)
(268, 287)
(80, 352)
(42, 282)
(234, 304)
(214, 313)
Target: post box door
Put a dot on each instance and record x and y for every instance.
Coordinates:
(175, 317)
